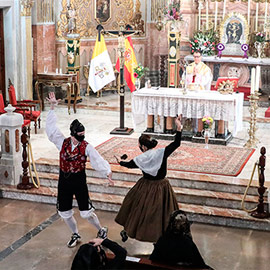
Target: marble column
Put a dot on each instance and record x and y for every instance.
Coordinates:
(27, 44)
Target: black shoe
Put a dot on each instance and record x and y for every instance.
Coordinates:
(75, 238)
(198, 134)
(124, 235)
(102, 233)
(149, 130)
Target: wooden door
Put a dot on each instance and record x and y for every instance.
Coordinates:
(2, 57)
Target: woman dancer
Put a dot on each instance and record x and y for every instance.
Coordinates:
(146, 209)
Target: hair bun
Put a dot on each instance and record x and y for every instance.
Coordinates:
(154, 143)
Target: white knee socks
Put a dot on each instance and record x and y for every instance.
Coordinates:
(93, 219)
(72, 224)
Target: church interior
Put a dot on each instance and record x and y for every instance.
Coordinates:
(125, 68)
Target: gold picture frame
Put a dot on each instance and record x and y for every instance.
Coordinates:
(234, 31)
(102, 10)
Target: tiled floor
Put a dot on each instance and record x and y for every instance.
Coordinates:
(45, 246)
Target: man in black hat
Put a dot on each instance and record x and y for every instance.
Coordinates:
(74, 151)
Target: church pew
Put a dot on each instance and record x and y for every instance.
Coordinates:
(143, 263)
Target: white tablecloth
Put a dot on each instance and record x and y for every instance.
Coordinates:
(194, 104)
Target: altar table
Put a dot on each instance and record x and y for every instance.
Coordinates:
(53, 79)
(170, 102)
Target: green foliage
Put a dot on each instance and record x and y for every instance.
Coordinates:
(139, 71)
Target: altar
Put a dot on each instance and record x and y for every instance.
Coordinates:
(230, 66)
(170, 102)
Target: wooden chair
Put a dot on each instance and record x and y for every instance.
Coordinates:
(26, 122)
(30, 114)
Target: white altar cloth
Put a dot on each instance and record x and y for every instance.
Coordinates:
(194, 104)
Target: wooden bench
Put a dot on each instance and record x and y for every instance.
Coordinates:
(143, 263)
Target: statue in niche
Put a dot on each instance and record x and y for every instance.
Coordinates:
(71, 17)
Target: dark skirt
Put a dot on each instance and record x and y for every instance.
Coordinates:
(146, 209)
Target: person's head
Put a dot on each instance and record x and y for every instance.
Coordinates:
(178, 223)
(197, 57)
(146, 142)
(77, 130)
(89, 257)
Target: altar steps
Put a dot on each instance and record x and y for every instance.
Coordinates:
(206, 198)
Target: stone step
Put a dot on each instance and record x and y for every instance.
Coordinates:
(184, 195)
(177, 178)
(111, 202)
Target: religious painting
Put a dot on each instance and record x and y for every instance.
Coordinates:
(102, 10)
(234, 33)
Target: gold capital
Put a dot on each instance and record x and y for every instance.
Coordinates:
(26, 7)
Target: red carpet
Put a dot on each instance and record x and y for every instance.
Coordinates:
(189, 157)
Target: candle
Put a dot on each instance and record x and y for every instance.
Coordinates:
(252, 81)
(256, 19)
(258, 77)
(207, 15)
(224, 9)
(249, 12)
(265, 14)
(200, 7)
(216, 10)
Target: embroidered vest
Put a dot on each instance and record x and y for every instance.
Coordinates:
(73, 161)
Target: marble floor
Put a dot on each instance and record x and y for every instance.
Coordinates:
(34, 237)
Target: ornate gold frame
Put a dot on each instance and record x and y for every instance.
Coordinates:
(222, 30)
(97, 19)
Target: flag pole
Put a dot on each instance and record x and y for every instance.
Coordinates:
(122, 33)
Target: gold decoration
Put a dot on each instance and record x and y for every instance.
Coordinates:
(121, 10)
(253, 101)
(226, 87)
(27, 6)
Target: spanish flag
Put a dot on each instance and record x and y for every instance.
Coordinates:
(101, 69)
(130, 64)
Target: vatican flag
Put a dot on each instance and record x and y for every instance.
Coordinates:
(101, 69)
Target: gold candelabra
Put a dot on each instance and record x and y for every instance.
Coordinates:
(253, 101)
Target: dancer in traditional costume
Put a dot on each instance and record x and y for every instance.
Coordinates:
(72, 179)
(146, 209)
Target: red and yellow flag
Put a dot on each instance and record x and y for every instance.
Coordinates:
(130, 64)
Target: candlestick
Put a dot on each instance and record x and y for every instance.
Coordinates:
(224, 9)
(207, 15)
(216, 10)
(258, 76)
(257, 15)
(249, 12)
(252, 81)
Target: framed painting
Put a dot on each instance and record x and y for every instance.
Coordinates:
(102, 10)
(234, 32)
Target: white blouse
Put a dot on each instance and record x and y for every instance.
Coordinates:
(57, 137)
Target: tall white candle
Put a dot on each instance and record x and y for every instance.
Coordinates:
(265, 14)
(257, 15)
(258, 77)
(200, 10)
(249, 12)
(252, 81)
(224, 9)
(216, 11)
(207, 15)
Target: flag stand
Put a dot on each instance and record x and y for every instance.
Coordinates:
(122, 33)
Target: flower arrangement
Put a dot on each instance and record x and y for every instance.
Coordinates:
(207, 122)
(172, 11)
(205, 42)
(139, 71)
(260, 37)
